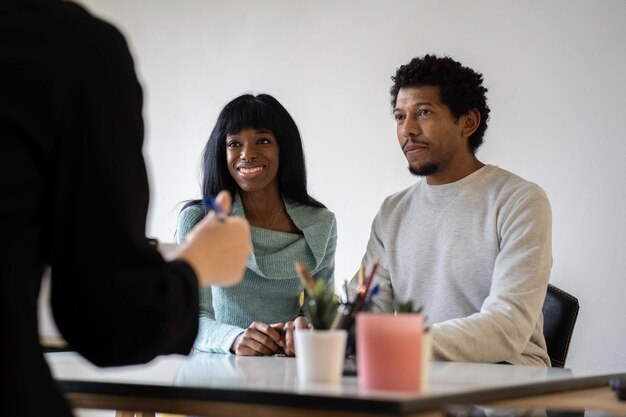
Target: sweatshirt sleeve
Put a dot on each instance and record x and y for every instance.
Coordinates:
(187, 219)
(327, 271)
(383, 302)
(502, 328)
(213, 336)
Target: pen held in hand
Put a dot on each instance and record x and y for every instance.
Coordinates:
(210, 204)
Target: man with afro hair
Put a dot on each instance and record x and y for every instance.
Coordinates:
(471, 242)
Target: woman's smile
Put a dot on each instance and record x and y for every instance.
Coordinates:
(250, 172)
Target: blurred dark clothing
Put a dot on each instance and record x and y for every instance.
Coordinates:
(74, 195)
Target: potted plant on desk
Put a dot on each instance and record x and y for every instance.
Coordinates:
(320, 350)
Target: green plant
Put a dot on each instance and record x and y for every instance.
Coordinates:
(406, 307)
(320, 306)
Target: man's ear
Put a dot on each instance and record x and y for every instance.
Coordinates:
(470, 122)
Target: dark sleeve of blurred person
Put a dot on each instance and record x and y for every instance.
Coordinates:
(74, 195)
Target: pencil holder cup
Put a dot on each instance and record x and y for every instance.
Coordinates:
(389, 351)
(320, 355)
(344, 319)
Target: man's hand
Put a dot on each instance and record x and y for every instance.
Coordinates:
(299, 323)
(258, 340)
(217, 250)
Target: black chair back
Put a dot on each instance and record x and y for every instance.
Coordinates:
(560, 311)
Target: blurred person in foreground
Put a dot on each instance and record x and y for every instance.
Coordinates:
(75, 197)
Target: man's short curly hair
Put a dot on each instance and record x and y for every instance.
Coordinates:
(461, 88)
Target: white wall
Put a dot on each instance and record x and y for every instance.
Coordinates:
(555, 73)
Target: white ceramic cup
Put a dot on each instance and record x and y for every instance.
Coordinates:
(320, 355)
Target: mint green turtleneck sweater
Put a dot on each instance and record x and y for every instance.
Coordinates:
(270, 289)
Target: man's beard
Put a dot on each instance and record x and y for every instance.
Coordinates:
(425, 170)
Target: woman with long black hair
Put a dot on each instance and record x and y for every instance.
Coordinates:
(255, 152)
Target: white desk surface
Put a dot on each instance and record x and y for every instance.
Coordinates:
(274, 380)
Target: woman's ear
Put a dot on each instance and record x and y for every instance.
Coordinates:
(470, 121)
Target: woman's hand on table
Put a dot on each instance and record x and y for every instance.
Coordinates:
(288, 333)
(259, 339)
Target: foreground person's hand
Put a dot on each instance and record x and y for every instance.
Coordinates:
(218, 250)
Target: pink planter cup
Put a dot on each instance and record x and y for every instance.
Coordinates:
(389, 351)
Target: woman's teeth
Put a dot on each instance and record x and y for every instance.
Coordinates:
(250, 170)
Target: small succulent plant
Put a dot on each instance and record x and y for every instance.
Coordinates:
(320, 306)
(406, 307)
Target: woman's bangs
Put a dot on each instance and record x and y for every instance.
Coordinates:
(250, 114)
